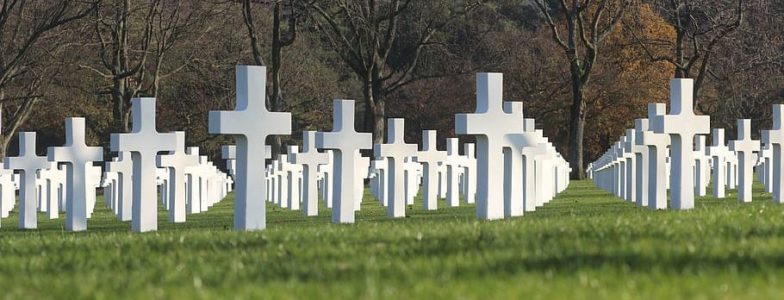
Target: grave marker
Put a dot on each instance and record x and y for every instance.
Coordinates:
(178, 162)
(682, 125)
(395, 151)
(250, 124)
(28, 163)
(745, 147)
(344, 141)
(77, 155)
(144, 142)
(430, 157)
(490, 124)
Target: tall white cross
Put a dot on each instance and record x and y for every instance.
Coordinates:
(430, 157)
(310, 158)
(395, 151)
(178, 162)
(657, 158)
(345, 141)
(490, 124)
(718, 151)
(682, 125)
(144, 142)
(745, 147)
(250, 124)
(76, 154)
(775, 138)
(28, 163)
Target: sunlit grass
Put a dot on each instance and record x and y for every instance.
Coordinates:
(585, 244)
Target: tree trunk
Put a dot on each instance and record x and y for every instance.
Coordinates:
(576, 129)
(276, 98)
(4, 138)
(375, 112)
(118, 105)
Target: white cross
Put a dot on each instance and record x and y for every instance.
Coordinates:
(310, 158)
(657, 145)
(682, 125)
(490, 123)
(28, 163)
(290, 172)
(178, 162)
(295, 178)
(395, 151)
(719, 152)
(745, 147)
(283, 181)
(50, 181)
(469, 163)
(641, 160)
(250, 123)
(453, 171)
(630, 171)
(430, 157)
(123, 166)
(701, 168)
(193, 199)
(534, 139)
(515, 162)
(76, 154)
(144, 142)
(345, 141)
(380, 168)
(775, 137)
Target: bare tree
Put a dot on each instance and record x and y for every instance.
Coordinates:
(133, 39)
(587, 24)
(280, 40)
(364, 34)
(23, 25)
(699, 28)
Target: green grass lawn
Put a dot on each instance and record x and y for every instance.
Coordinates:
(585, 244)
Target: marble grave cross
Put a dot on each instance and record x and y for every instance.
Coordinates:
(310, 158)
(77, 155)
(28, 163)
(395, 150)
(178, 162)
(251, 122)
(718, 151)
(430, 157)
(657, 145)
(682, 125)
(490, 124)
(745, 147)
(344, 141)
(144, 142)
